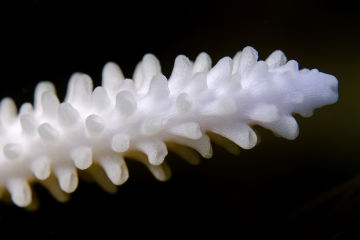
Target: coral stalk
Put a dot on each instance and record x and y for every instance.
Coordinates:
(95, 130)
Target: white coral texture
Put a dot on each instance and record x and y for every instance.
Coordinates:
(94, 130)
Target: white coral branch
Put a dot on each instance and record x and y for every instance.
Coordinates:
(143, 117)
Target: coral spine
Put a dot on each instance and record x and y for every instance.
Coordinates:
(95, 130)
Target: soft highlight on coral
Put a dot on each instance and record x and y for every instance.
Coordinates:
(94, 130)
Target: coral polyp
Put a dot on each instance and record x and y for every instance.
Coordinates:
(95, 130)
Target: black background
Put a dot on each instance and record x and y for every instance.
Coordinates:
(278, 189)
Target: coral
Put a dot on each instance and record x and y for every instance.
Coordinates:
(94, 130)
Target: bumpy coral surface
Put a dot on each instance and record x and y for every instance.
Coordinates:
(95, 129)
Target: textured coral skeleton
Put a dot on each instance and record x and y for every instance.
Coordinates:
(141, 118)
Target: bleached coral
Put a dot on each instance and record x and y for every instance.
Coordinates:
(143, 117)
